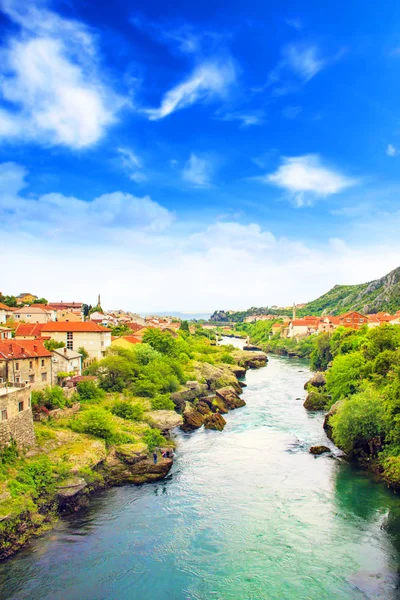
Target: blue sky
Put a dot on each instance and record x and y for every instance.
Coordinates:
(198, 156)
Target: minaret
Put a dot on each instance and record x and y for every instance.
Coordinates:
(294, 311)
(98, 300)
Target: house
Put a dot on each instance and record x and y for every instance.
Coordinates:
(66, 361)
(125, 341)
(328, 323)
(25, 361)
(4, 313)
(48, 308)
(353, 320)
(277, 328)
(134, 326)
(299, 328)
(5, 333)
(26, 298)
(91, 336)
(32, 314)
(68, 311)
(16, 419)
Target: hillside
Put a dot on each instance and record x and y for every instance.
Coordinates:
(379, 295)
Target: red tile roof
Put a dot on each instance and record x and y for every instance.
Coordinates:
(131, 338)
(4, 306)
(304, 322)
(29, 329)
(134, 326)
(23, 349)
(87, 326)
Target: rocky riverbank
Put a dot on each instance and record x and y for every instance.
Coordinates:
(94, 465)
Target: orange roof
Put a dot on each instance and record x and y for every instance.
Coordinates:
(87, 326)
(304, 322)
(23, 349)
(131, 338)
(4, 306)
(29, 329)
(134, 326)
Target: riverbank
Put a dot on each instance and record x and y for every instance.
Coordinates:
(67, 466)
(248, 513)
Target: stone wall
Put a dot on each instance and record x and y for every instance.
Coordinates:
(19, 424)
(58, 413)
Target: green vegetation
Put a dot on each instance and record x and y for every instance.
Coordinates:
(120, 330)
(50, 398)
(127, 410)
(83, 352)
(53, 345)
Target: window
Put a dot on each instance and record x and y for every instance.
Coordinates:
(361, 320)
(31, 364)
(42, 362)
(17, 380)
(70, 340)
(28, 316)
(17, 366)
(44, 376)
(31, 379)
(348, 320)
(3, 415)
(20, 406)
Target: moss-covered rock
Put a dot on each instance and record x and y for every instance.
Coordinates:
(230, 398)
(214, 421)
(316, 401)
(317, 450)
(192, 419)
(318, 380)
(164, 420)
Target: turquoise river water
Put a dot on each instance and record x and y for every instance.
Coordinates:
(246, 514)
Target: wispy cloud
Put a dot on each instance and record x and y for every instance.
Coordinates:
(296, 23)
(132, 165)
(291, 112)
(391, 150)
(51, 81)
(306, 178)
(246, 118)
(198, 171)
(207, 82)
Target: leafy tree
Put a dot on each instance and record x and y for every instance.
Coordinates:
(115, 373)
(359, 423)
(41, 301)
(184, 326)
(122, 329)
(84, 352)
(53, 345)
(162, 341)
(345, 376)
(321, 356)
(162, 402)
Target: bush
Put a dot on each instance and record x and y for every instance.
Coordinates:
(162, 402)
(145, 388)
(228, 359)
(153, 438)
(88, 390)
(97, 422)
(126, 410)
(54, 397)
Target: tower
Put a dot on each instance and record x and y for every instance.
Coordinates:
(294, 310)
(98, 300)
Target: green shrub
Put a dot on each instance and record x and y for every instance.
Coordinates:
(126, 410)
(54, 397)
(162, 402)
(228, 359)
(153, 438)
(96, 421)
(88, 390)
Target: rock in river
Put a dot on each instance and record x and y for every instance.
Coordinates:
(317, 450)
(214, 421)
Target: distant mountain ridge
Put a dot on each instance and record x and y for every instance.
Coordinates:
(374, 296)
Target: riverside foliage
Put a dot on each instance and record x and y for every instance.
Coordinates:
(362, 387)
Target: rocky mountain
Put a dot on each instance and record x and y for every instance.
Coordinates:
(379, 295)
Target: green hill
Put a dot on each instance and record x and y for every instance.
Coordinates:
(378, 295)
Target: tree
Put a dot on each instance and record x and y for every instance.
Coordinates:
(127, 410)
(41, 301)
(88, 390)
(84, 353)
(185, 326)
(345, 376)
(321, 356)
(122, 329)
(95, 421)
(53, 345)
(162, 341)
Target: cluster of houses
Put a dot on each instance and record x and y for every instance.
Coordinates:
(305, 326)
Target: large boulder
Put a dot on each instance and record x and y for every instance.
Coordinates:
(214, 421)
(164, 420)
(192, 419)
(317, 450)
(327, 427)
(230, 397)
(123, 466)
(318, 380)
(316, 401)
(250, 360)
(191, 391)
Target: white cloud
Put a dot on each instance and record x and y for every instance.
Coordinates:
(132, 165)
(305, 61)
(208, 81)
(391, 150)
(198, 171)
(291, 112)
(49, 75)
(246, 118)
(295, 23)
(306, 178)
(130, 250)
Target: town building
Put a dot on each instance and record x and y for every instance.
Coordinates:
(16, 419)
(66, 361)
(26, 298)
(25, 361)
(353, 320)
(29, 331)
(125, 341)
(33, 314)
(4, 313)
(94, 338)
(68, 311)
(5, 333)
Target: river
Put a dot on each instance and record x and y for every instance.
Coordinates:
(245, 514)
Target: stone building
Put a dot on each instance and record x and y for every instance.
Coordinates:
(25, 362)
(66, 361)
(16, 420)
